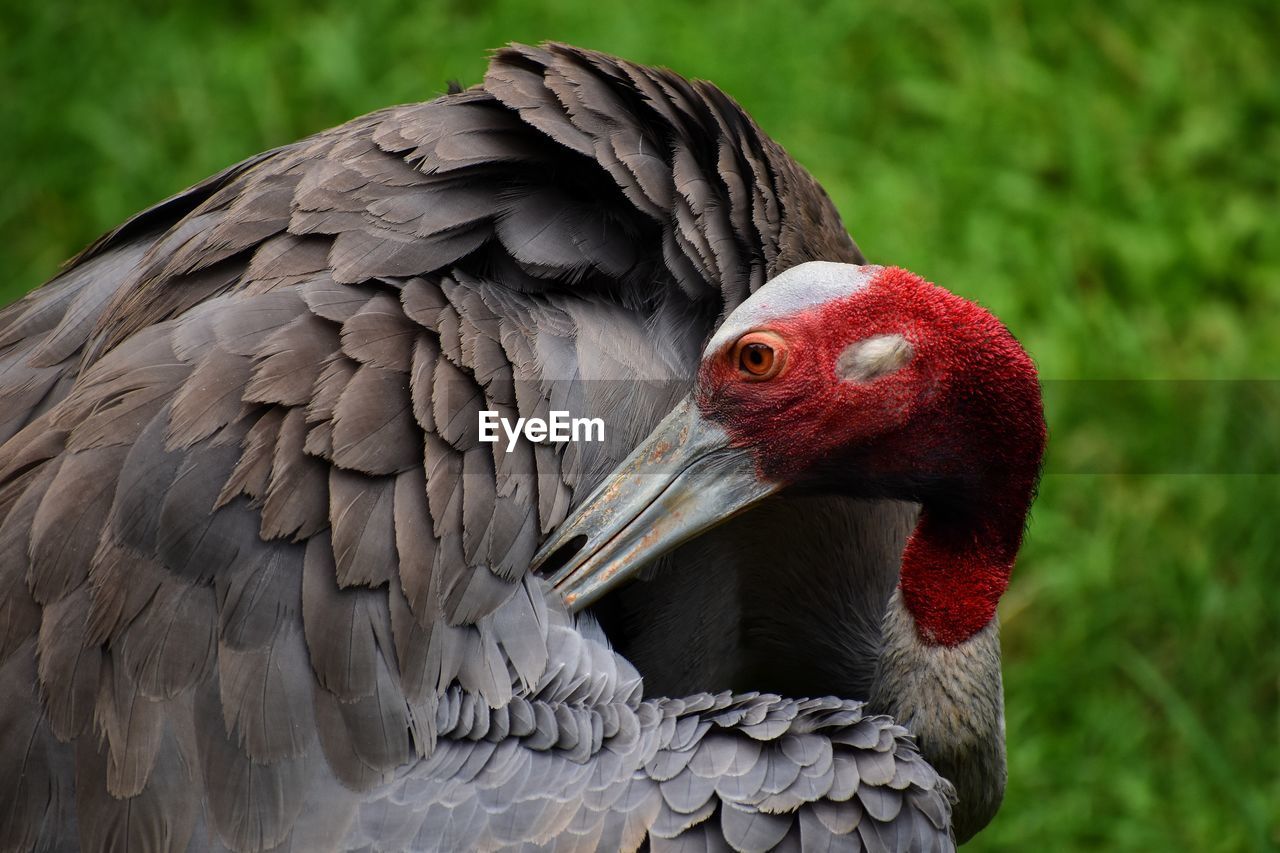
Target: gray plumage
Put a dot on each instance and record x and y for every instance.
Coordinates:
(260, 586)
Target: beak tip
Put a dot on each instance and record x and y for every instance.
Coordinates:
(683, 479)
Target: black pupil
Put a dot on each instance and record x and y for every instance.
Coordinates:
(756, 355)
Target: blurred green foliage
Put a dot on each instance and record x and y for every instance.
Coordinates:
(1103, 175)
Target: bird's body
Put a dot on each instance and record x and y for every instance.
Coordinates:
(261, 587)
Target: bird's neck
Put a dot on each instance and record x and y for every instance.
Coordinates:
(952, 701)
(958, 560)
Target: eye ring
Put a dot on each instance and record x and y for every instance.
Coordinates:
(759, 356)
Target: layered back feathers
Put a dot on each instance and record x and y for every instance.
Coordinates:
(261, 586)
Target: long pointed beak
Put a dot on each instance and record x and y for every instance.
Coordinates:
(682, 480)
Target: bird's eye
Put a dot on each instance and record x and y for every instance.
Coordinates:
(759, 355)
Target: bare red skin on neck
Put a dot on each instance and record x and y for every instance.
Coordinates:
(960, 428)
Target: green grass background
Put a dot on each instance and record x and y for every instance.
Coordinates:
(1102, 175)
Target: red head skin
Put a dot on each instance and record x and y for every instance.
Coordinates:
(959, 428)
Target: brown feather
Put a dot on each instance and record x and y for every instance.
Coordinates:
(344, 626)
(250, 805)
(209, 399)
(132, 725)
(361, 512)
(69, 668)
(253, 470)
(287, 367)
(262, 591)
(36, 788)
(72, 513)
(20, 615)
(332, 301)
(296, 504)
(373, 428)
(365, 739)
(153, 819)
(169, 646)
(415, 541)
(285, 260)
(265, 693)
(379, 334)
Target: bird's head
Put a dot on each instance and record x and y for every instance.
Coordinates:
(838, 379)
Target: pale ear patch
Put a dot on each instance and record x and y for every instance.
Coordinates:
(871, 358)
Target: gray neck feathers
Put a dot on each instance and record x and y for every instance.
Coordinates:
(952, 700)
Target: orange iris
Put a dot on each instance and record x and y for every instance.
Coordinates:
(759, 355)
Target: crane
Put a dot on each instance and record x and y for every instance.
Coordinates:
(262, 587)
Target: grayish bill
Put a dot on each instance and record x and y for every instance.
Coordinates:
(681, 481)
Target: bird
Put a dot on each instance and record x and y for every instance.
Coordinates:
(263, 588)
